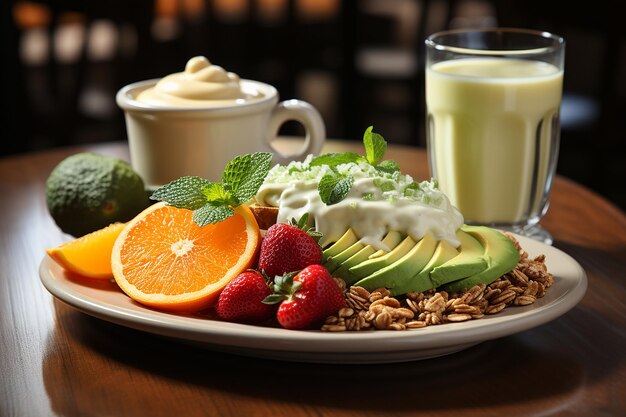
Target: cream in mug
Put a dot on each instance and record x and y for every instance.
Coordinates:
(200, 85)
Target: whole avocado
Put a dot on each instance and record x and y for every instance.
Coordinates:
(87, 191)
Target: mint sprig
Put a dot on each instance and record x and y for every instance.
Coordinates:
(334, 187)
(213, 202)
(244, 175)
(389, 166)
(334, 159)
(185, 192)
(375, 146)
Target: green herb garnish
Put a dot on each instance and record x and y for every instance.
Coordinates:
(375, 146)
(213, 202)
(334, 159)
(334, 187)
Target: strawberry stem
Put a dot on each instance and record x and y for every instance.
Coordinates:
(303, 224)
(284, 288)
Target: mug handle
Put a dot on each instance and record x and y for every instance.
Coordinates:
(309, 117)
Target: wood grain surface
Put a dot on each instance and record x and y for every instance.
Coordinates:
(57, 361)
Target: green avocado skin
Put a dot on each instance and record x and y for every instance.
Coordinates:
(500, 253)
(468, 262)
(87, 192)
(421, 281)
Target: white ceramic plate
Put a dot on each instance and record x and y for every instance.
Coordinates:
(105, 301)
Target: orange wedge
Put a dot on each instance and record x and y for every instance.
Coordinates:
(164, 260)
(89, 255)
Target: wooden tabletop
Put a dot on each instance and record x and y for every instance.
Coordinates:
(56, 361)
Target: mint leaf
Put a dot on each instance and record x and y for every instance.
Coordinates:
(334, 187)
(213, 202)
(244, 175)
(383, 185)
(217, 195)
(210, 214)
(375, 146)
(389, 166)
(334, 159)
(185, 192)
(411, 189)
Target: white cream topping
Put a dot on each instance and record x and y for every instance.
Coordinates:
(202, 84)
(377, 203)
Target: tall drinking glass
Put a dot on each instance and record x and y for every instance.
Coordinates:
(493, 98)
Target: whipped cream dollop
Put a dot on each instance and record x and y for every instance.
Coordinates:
(202, 84)
(377, 203)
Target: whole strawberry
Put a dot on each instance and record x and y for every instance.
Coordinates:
(306, 298)
(242, 299)
(289, 247)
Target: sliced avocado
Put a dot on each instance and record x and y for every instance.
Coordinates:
(404, 268)
(397, 238)
(421, 281)
(500, 254)
(344, 269)
(379, 252)
(391, 240)
(370, 266)
(468, 262)
(334, 262)
(344, 242)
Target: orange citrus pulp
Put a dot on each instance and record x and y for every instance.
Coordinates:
(164, 260)
(89, 255)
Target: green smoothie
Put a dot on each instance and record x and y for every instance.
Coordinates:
(493, 135)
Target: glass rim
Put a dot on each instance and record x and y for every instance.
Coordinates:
(557, 42)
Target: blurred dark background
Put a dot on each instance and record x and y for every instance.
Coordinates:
(358, 61)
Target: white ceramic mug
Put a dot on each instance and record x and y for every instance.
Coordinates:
(170, 142)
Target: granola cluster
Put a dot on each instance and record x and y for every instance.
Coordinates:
(378, 310)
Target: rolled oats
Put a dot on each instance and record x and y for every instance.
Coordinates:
(333, 328)
(386, 301)
(358, 298)
(435, 303)
(462, 308)
(382, 321)
(524, 300)
(496, 308)
(396, 326)
(505, 297)
(415, 324)
(413, 305)
(378, 294)
(456, 317)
